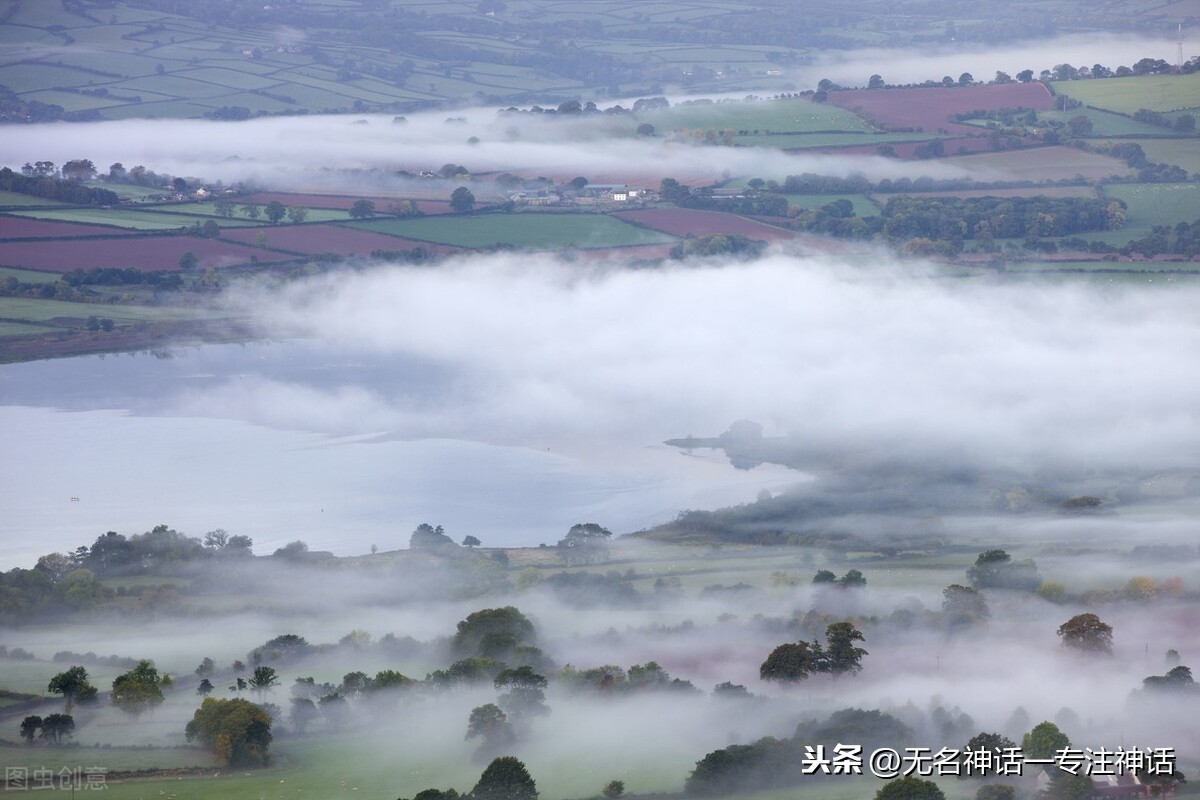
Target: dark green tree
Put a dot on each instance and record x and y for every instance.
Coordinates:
(1043, 741)
(276, 211)
(73, 685)
(205, 688)
(841, 654)
(910, 788)
(362, 209)
(506, 778)
(471, 541)
(55, 727)
(30, 727)
(430, 539)
(462, 201)
(188, 261)
(994, 743)
(263, 680)
(790, 663)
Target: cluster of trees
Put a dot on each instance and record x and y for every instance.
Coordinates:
(1182, 239)
(987, 218)
(67, 582)
(853, 578)
(505, 778)
(793, 662)
(585, 543)
(52, 728)
(725, 245)
(996, 569)
(772, 763)
(610, 678)
(754, 203)
(40, 180)
(1148, 171)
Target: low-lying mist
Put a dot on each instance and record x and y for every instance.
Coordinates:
(872, 353)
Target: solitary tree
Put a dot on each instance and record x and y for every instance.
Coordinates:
(490, 724)
(73, 685)
(841, 654)
(205, 688)
(238, 731)
(1087, 633)
(993, 743)
(963, 606)
(138, 690)
(506, 778)
(462, 201)
(188, 261)
(362, 209)
(471, 541)
(276, 211)
(910, 788)
(614, 789)
(263, 680)
(790, 663)
(297, 214)
(30, 727)
(1044, 741)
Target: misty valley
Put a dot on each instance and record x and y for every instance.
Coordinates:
(591, 401)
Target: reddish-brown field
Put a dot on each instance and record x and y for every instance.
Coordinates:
(931, 109)
(1040, 164)
(160, 253)
(330, 239)
(682, 221)
(952, 146)
(23, 228)
(344, 202)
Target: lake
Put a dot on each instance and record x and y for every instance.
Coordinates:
(124, 443)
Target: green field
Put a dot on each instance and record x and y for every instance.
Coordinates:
(47, 310)
(208, 209)
(1106, 123)
(764, 116)
(27, 275)
(1183, 153)
(1151, 204)
(17, 200)
(1127, 95)
(132, 218)
(863, 205)
(528, 230)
